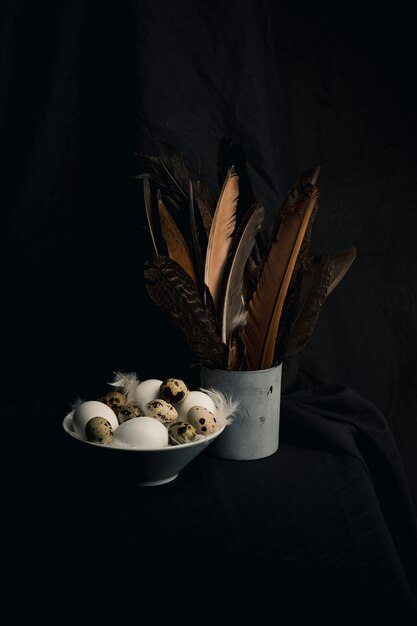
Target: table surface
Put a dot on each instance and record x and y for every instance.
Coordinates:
(329, 515)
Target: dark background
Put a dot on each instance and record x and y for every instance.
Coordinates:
(85, 85)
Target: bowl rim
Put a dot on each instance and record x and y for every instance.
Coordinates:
(205, 439)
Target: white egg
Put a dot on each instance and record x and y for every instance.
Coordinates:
(146, 391)
(89, 409)
(141, 433)
(195, 398)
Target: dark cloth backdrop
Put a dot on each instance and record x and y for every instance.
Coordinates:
(86, 85)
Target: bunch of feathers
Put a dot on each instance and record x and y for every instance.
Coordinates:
(243, 296)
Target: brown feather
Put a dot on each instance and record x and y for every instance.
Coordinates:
(265, 307)
(320, 276)
(176, 245)
(220, 238)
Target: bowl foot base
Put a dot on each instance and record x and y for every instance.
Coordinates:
(153, 483)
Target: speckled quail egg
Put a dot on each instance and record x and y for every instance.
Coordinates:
(173, 390)
(202, 419)
(142, 433)
(99, 430)
(128, 411)
(161, 410)
(89, 409)
(114, 399)
(146, 391)
(195, 398)
(181, 432)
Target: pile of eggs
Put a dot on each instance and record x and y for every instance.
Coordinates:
(161, 413)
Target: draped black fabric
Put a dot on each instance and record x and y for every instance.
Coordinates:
(324, 528)
(85, 86)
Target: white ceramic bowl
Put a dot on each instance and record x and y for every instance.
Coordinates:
(148, 467)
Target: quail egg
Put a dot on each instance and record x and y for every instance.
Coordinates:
(161, 410)
(128, 411)
(173, 390)
(99, 430)
(114, 399)
(181, 432)
(202, 419)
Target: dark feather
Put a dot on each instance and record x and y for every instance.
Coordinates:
(152, 218)
(195, 238)
(288, 315)
(320, 276)
(251, 278)
(172, 289)
(206, 206)
(236, 352)
(172, 174)
(168, 168)
(342, 262)
(232, 299)
(230, 154)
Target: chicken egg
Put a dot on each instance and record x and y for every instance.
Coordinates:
(146, 391)
(89, 409)
(141, 433)
(195, 398)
